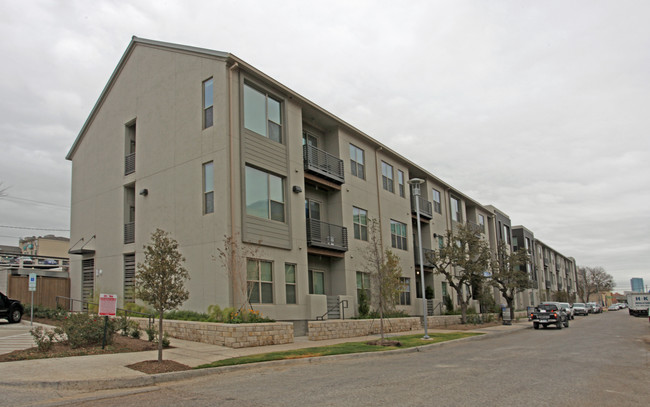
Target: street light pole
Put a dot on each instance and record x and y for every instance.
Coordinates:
(415, 183)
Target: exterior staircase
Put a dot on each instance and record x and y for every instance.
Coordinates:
(334, 311)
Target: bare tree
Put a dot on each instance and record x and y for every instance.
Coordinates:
(462, 260)
(596, 279)
(3, 191)
(507, 274)
(234, 258)
(160, 280)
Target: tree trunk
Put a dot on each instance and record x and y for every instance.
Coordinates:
(381, 320)
(160, 336)
(463, 312)
(510, 301)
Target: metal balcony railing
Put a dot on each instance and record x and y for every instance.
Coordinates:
(475, 227)
(326, 235)
(129, 164)
(426, 209)
(129, 232)
(426, 255)
(323, 163)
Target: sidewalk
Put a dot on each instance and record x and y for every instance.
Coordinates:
(99, 372)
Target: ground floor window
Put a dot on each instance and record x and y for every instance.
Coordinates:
(290, 282)
(405, 291)
(316, 282)
(260, 281)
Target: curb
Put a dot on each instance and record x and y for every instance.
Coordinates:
(159, 378)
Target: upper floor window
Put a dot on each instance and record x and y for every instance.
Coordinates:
(441, 242)
(208, 102)
(398, 234)
(360, 221)
(208, 187)
(290, 282)
(400, 182)
(456, 214)
(506, 234)
(481, 222)
(387, 177)
(357, 162)
(262, 114)
(129, 149)
(259, 276)
(264, 194)
(437, 203)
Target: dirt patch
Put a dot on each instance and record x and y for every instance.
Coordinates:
(386, 342)
(153, 366)
(467, 327)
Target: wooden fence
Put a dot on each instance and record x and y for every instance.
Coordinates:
(47, 288)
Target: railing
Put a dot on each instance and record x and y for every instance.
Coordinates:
(129, 164)
(323, 163)
(343, 304)
(326, 235)
(426, 254)
(129, 232)
(432, 311)
(85, 308)
(475, 227)
(426, 209)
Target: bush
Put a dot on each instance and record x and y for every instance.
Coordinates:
(181, 315)
(449, 304)
(151, 334)
(135, 332)
(45, 338)
(40, 311)
(87, 330)
(364, 304)
(246, 316)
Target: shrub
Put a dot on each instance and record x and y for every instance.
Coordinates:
(87, 330)
(135, 332)
(40, 311)
(151, 333)
(182, 315)
(45, 338)
(364, 303)
(449, 304)
(246, 316)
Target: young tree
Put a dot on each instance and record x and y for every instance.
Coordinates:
(507, 274)
(160, 280)
(385, 271)
(596, 280)
(462, 260)
(234, 258)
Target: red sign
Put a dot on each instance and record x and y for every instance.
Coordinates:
(107, 304)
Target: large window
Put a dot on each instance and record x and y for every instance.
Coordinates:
(316, 282)
(387, 177)
(208, 102)
(208, 187)
(456, 214)
(290, 282)
(398, 234)
(259, 275)
(481, 222)
(264, 195)
(400, 183)
(506, 234)
(437, 203)
(262, 114)
(360, 221)
(357, 162)
(405, 291)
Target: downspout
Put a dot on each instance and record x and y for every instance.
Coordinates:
(381, 235)
(233, 248)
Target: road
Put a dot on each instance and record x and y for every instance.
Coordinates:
(599, 360)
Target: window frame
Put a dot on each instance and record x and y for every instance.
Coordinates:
(208, 190)
(365, 281)
(405, 291)
(387, 183)
(268, 184)
(312, 281)
(248, 119)
(288, 284)
(258, 281)
(481, 222)
(358, 226)
(398, 241)
(400, 183)
(437, 204)
(357, 169)
(456, 212)
(208, 109)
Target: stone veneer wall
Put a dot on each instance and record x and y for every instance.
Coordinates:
(230, 335)
(349, 328)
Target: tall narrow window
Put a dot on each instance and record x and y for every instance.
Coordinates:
(129, 278)
(400, 182)
(208, 187)
(264, 195)
(437, 203)
(398, 234)
(208, 102)
(316, 282)
(441, 242)
(129, 157)
(290, 282)
(387, 177)
(363, 284)
(262, 114)
(456, 214)
(481, 222)
(260, 281)
(444, 289)
(357, 162)
(405, 291)
(360, 221)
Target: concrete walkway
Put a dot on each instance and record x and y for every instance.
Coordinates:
(98, 372)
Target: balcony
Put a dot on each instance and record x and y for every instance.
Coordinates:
(323, 164)
(426, 209)
(129, 232)
(129, 164)
(548, 284)
(475, 227)
(327, 236)
(426, 254)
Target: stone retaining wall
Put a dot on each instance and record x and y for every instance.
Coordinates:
(349, 328)
(230, 335)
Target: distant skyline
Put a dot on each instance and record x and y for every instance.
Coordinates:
(540, 108)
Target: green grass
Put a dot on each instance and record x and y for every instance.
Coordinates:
(407, 341)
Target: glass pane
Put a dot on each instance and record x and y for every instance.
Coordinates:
(355, 215)
(208, 119)
(353, 168)
(363, 217)
(266, 273)
(276, 189)
(207, 93)
(359, 281)
(277, 211)
(257, 193)
(362, 172)
(291, 294)
(319, 282)
(357, 231)
(364, 233)
(275, 132)
(251, 270)
(290, 273)
(254, 292)
(209, 202)
(267, 293)
(314, 210)
(208, 177)
(366, 280)
(274, 111)
(254, 110)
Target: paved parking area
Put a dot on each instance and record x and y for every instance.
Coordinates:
(15, 336)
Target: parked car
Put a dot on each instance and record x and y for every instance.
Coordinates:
(613, 307)
(580, 308)
(12, 310)
(569, 310)
(594, 308)
(549, 313)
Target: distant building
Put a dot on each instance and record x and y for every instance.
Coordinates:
(637, 285)
(45, 246)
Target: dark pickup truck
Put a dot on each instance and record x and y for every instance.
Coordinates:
(10, 309)
(549, 314)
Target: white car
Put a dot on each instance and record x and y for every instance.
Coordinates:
(569, 310)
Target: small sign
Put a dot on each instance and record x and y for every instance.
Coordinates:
(32, 281)
(107, 304)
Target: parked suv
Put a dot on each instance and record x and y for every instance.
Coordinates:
(569, 310)
(10, 309)
(580, 308)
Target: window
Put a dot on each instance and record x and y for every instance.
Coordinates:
(527, 243)
(129, 278)
(208, 102)
(387, 176)
(316, 282)
(357, 162)
(437, 203)
(129, 157)
(259, 275)
(506, 234)
(262, 114)
(208, 187)
(360, 221)
(290, 282)
(363, 284)
(456, 214)
(264, 195)
(444, 289)
(481, 222)
(441, 242)
(398, 234)
(405, 291)
(400, 182)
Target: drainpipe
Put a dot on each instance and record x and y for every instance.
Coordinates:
(232, 176)
(381, 235)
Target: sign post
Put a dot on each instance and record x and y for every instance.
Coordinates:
(107, 306)
(32, 288)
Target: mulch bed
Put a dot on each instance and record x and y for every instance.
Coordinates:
(386, 342)
(153, 366)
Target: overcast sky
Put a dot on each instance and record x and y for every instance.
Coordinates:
(539, 108)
